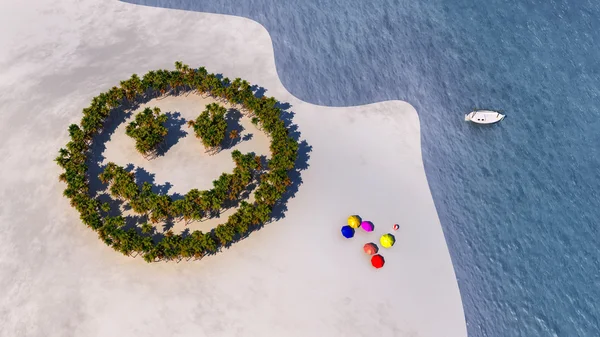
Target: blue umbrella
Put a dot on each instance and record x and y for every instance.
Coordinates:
(347, 232)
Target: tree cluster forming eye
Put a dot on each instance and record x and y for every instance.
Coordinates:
(149, 132)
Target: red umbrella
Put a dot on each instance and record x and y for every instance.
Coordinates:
(377, 261)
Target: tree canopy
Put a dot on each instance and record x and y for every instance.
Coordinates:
(211, 126)
(194, 206)
(148, 131)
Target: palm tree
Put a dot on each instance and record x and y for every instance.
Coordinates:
(114, 97)
(211, 126)
(63, 158)
(132, 87)
(147, 228)
(256, 122)
(161, 82)
(225, 234)
(105, 207)
(258, 162)
(197, 238)
(176, 81)
(208, 243)
(178, 65)
(233, 135)
(148, 130)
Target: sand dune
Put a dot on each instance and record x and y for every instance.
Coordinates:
(295, 277)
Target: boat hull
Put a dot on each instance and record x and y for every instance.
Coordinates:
(484, 117)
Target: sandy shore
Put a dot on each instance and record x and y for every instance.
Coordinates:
(295, 277)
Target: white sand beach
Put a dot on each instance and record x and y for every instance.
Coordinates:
(295, 277)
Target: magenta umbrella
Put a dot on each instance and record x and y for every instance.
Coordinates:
(367, 226)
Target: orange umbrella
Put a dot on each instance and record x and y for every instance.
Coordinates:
(371, 248)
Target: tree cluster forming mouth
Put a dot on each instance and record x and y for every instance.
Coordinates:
(195, 205)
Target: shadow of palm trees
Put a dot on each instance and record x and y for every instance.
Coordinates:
(175, 132)
(233, 118)
(304, 150)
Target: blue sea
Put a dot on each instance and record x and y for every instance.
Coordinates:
(518, 201)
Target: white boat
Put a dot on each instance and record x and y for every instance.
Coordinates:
(484, 117)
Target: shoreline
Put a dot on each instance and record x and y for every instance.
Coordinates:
(365, 160)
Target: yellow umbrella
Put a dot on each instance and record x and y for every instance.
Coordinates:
(387, 240)
(354, 221)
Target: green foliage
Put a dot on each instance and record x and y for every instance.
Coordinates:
(211, 126)
(225, 234)
(194, 206)
(122, 185)
(147, 228)
(105, 207)
(148, 130)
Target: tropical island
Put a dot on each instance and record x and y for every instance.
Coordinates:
(60, 279)
(148, 131)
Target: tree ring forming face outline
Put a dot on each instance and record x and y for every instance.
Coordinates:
(281, 171)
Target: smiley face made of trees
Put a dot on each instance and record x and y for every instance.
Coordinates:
(148, 131)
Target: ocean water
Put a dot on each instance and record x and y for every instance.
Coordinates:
(518, 201)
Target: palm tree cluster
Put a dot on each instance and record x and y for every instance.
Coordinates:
(148, 130)
(196, 204)
(211, 126)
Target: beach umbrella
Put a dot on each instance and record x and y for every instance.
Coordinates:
(371, 248)
(396, 227)
(387, 240)
(377, 261)
(367, 226)
(354, 221)
(347, 232)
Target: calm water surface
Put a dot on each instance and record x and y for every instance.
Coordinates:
(518, 201)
